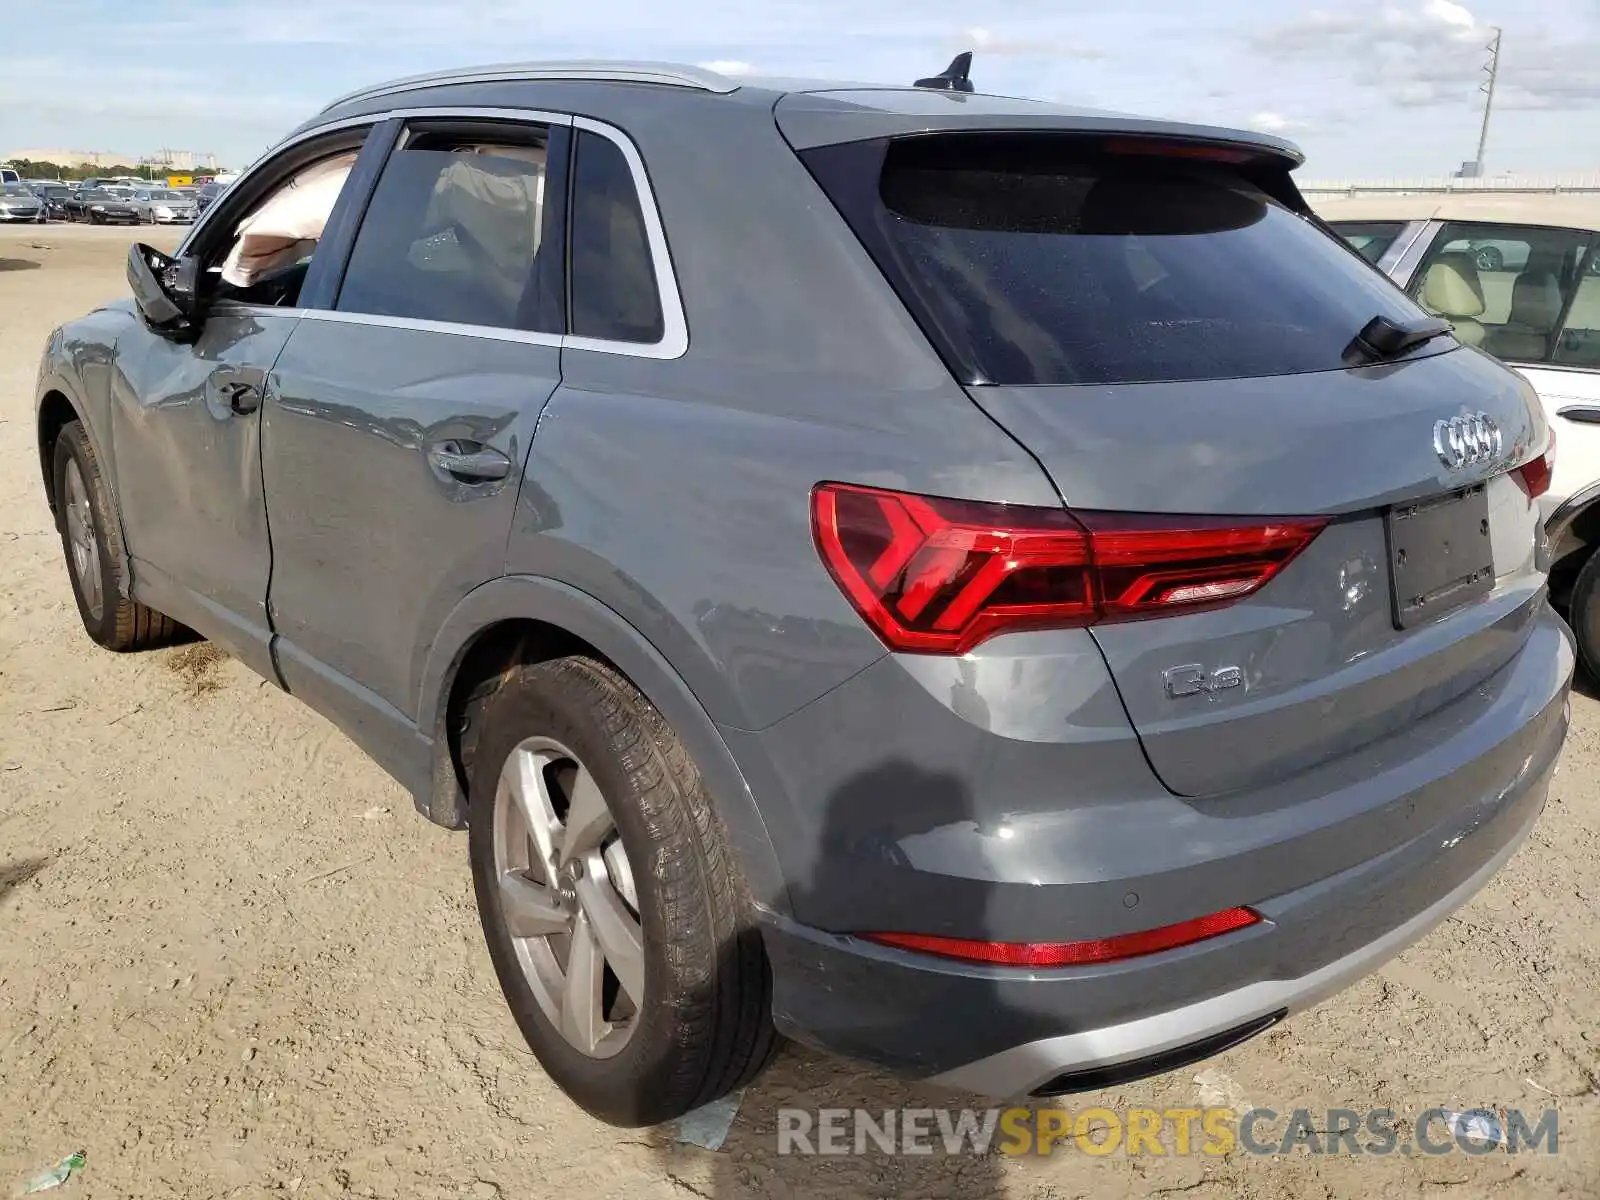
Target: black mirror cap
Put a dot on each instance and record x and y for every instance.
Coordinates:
(164, 289)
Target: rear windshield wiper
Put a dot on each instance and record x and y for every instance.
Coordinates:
(1384, 338)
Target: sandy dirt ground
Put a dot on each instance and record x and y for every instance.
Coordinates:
(233, 962)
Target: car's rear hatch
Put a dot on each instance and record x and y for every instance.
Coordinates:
(1149, 313)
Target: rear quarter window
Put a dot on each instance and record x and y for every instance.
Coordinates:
(1037, 259)
(1370, 239)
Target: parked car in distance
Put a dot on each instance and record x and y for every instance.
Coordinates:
(52, 195)
(18, 204)
(163, 206)
(8, 175)
(102, 206)
(934, 600)
(208, 193)
(1519, 277)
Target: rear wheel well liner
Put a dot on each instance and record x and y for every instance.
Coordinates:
(56, 412)
(521, 618)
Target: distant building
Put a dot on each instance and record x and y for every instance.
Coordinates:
(162, 160)
(75, 158)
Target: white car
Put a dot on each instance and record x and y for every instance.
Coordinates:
(1519, 277)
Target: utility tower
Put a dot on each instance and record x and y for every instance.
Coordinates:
(1491, 69)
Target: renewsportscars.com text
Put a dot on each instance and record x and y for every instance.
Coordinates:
(1165, 1131)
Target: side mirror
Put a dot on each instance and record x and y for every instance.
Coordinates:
(165, 289)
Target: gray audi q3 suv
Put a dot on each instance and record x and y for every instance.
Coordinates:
(988, 588)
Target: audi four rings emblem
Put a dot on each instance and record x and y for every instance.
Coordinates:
(1466, 441)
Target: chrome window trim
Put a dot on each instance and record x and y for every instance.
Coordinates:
(674, 342)
(493, 333)
(1555, 366)
(529, 115)
(1406, 264)
(1410, 231)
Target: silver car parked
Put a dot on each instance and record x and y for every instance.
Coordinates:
(17, 203)
(163, 206)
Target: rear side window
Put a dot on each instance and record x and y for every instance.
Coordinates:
(1504, 287)
(614, 294)
(1370, 239)
(453, 234)
(1035, 259)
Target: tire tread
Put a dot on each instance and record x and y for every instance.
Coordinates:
(719, 977)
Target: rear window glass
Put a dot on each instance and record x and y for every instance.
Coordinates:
(1033, 259)
(1370, 239)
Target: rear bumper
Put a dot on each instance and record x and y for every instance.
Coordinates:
(1471, 784)
(1040, 1066)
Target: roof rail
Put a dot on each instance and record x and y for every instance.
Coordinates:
(668, 74)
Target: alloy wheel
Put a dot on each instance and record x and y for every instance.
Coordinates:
(567, 896)
(81, 537)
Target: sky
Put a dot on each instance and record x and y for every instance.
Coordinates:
(1368, 88)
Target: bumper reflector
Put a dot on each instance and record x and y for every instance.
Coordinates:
(1072, 954)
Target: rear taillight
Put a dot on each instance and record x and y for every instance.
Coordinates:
(1072, 954)
(1535, 475)
(939, 576)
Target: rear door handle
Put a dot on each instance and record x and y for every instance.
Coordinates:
(468, 461)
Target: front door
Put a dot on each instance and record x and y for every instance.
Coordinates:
(186, 417)
(186, 428)
(394, 444)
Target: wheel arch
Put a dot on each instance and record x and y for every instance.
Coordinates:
(1575, 524)
(522, 618)
(56, 412)
(58, 407)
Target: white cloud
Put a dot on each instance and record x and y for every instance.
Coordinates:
(986, 41)
(1428, 54)
(1275, 122)
(1450, 14)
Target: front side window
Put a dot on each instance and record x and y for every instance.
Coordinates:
(614, 292)
(453, 233)
(1504, 287)
(269, 251)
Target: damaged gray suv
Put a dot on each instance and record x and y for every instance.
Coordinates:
(990, 589)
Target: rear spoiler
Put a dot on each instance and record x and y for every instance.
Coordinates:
(809, 120)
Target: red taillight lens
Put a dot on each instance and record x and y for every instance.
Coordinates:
(1535, 475)
(939, 576)
(1072, 954)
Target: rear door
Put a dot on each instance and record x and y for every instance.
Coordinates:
(1176, 346)
(393, 447)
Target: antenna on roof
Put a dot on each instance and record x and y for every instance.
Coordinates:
(953, 78)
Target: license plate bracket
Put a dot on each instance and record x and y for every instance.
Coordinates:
(1440, 555)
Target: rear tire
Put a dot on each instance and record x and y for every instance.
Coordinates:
(91, 540)
(703, 1024)
(1583, 611)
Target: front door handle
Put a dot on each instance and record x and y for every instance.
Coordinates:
(243, 398)
(468, 461)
